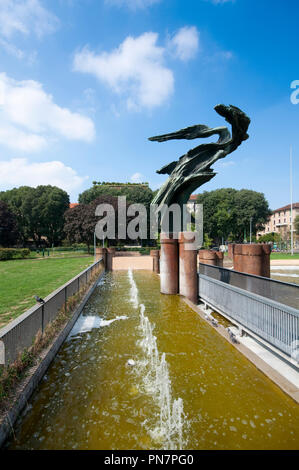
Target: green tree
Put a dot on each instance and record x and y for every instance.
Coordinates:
(270, 237)
(20, 200)
(80, 221)
(39, 211)
(8, 226)
(135, 194)
(296, 224)
(227, 212)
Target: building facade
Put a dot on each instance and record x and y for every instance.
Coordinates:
(280, 222)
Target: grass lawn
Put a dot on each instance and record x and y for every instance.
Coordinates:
(20, 280)
(284, 256)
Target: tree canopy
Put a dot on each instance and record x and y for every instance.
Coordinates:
(135, 194)
(80, 221)
(8, 226)
(39, 211)
(227, 212)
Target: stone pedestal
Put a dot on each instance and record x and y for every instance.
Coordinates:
(219, 258)
(188, 282)
(253, 259)
(230, 252)
(110, 255)
(237, 253)
(101, 253)
(169, 264)
(208, 257)
(155, 254)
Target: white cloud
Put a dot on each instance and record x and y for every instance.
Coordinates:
(26, 17)
(135, 69)
(20, 171)
(29, 118)
(133, 4)
(185, 43)
(17, 139)
(137, 178)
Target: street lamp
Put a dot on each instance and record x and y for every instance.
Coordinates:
(250, 229)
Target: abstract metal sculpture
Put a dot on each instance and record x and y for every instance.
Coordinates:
(194, 168)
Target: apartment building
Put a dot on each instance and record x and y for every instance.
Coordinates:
(280, 221)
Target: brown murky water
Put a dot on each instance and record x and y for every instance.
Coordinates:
(92, 399)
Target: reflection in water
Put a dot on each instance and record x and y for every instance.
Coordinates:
(92, 399)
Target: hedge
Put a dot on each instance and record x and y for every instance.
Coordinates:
(14, 253)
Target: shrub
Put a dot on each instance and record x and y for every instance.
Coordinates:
(14, 253)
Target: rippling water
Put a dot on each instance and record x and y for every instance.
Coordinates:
(92, 399)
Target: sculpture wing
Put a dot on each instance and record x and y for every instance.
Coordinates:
(188, 133)
(167, 169)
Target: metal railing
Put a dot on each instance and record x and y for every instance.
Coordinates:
(282, 292)
(273, 322)
(20, 333)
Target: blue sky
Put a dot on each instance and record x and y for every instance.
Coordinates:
(84, 83)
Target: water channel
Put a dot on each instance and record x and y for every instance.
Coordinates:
(141, 370)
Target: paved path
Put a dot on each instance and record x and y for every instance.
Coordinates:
(132, 262)
(284, 262)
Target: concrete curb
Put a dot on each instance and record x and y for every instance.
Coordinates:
(261, 365)
(37, 372)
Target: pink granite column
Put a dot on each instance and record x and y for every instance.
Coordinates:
(188, 282)
(252, 259)
(101, 253)
(208, 257)
(110, 255)
(169, 264)
(219, 258)
(155, 254)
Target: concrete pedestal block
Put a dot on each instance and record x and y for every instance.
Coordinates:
(208, 257)
(155, 254)
(101, 253)
(252, 259)
(188, 282)
(169, 264)
(219, 258)
(110, 255)
(230, 252)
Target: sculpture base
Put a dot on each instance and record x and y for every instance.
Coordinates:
(188, 282)
(169, 264)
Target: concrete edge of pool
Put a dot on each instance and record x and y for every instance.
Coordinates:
(273, 374)
(36, 373)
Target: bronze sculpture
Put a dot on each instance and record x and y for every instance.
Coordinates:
(194, 168)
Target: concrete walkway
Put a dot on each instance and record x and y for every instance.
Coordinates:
(132, 262)
(284, 262)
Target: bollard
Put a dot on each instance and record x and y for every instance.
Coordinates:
(208, 257)
(219, 258)
(101, 253)
(169, 264)
(230, 253)
(252, 259)
(110, 255)
(188, 284)
(155, 254)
